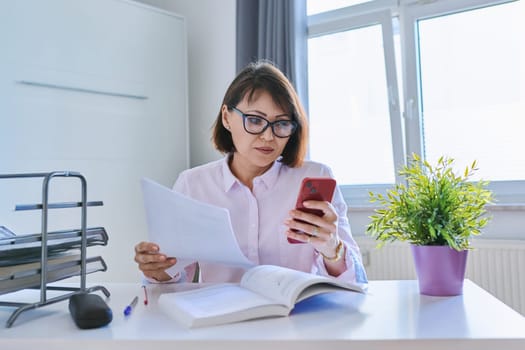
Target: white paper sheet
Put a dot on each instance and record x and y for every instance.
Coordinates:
(188, 229)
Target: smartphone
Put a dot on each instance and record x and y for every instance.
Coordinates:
(314, 188)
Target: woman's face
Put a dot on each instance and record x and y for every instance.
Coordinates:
(255, 153)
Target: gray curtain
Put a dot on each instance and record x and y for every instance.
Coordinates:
(275, 30)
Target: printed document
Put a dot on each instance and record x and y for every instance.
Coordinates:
(188, 229)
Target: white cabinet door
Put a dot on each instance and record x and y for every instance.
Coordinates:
(98, 87)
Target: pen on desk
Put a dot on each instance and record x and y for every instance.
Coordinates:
(129, 308)
(145, 295)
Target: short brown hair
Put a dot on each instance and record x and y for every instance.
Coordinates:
(264, 76)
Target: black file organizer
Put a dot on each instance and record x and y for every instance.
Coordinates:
(45, 206)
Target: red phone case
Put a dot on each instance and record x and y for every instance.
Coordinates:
(314, 188)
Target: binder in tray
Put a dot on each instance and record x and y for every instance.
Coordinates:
(27, 248)
(21, 276)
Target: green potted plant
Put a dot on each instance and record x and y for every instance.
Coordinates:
(437, 211)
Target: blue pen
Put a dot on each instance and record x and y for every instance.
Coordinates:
(129, 308)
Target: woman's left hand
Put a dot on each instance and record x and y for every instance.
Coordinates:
(321, 231)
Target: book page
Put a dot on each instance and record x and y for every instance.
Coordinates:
(278, 283)
(216, 304)
(284, 285)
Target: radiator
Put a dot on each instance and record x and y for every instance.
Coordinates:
(498, 266)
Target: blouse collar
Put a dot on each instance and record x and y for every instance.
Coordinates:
(268, 178)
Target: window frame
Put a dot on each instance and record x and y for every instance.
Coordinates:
(352, 18)
(507, 193)
(406, 125)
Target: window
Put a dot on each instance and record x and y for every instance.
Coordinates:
(354, 109)
(318, 6)
(487, 96)
(459, 90)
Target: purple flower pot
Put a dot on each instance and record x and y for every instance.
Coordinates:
(440, 269)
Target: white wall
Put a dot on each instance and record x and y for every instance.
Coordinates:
(210, 28)
(98, 87)
(211, 56)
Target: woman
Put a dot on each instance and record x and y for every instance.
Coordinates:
(262, 130)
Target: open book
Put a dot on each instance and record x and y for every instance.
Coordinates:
(264, 291)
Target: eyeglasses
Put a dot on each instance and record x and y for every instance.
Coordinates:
(255, 125)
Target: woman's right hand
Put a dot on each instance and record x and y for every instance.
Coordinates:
(151, 262)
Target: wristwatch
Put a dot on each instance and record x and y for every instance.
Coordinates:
(339, 251)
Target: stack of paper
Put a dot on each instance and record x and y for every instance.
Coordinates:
(27, 248)
(20, 257)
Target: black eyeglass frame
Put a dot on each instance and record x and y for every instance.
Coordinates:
(268, 123)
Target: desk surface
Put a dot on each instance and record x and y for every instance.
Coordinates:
(393, 314)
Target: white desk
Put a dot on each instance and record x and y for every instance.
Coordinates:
(392, 316)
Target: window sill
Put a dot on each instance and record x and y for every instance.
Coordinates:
(506, 207)
(490, 207)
